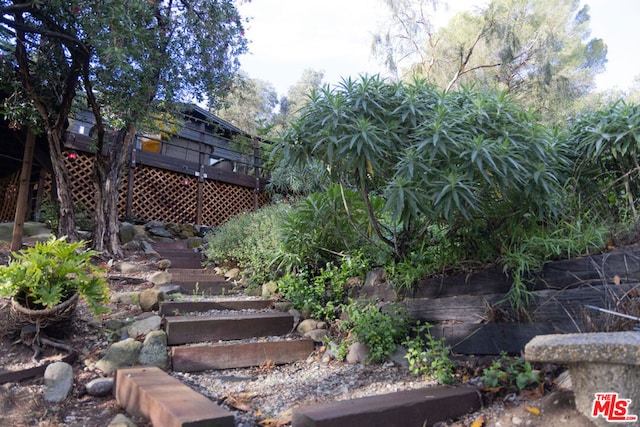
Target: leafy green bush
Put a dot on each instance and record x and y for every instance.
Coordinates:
(248, 241)
(323, 293)
(379, 331)
(429, 358)
(510, 373)
(318, 230)
(49, 273)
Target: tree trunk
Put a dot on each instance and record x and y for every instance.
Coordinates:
(67, 221)
(108, 169)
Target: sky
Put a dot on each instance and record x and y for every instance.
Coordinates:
(334, 36)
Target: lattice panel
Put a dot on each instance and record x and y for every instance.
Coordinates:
(164, 196)
(80, 173)
(221, 201)
(9, 197)
(159, 194)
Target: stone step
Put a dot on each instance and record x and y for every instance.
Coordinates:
(411, 408)
(173, 308)
(192, 329)
(152, 393)
(239, 355)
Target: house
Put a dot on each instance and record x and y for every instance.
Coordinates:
(199, 170)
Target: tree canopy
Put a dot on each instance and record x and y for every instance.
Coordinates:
(538, 51)
(130, 57)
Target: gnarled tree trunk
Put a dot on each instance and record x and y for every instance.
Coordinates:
(108, 169)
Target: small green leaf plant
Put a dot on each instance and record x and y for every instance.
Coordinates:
(379, 331)
(51, 272)
(510, 373)
(429, 357)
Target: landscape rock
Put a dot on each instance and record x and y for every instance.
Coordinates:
(131, 267)
(99, 387)
(154, 224)
(144, 326)
(150, 299)
(164, 264)
(121, 420)
(154, 350)
(399, 357)
(269, 289)
(120, 354)
(58, 382)
(170, 289)
(309, 325)
(194, 242)
(147, 249)
(375, 277)
(357, 353)
(317, 335)
(129, 298)
(232, 273)
(126, 233)
(160, 278)
(160, 232)
(283, 306)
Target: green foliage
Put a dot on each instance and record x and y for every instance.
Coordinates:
(51, 272)
(318, 230)
(527, 250)
(323, 293)
(429, 358)
(510, 373)
(248, 241)
(379, 331)
(606, 164)
(455, 158)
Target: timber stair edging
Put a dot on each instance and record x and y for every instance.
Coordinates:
(153, 393)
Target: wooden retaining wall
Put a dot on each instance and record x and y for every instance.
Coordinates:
(471, 311)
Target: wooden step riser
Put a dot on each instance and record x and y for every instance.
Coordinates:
(193, 329)
(204, 288)
(175, 308)
(242, 355)
(151, 393)
(412, 408)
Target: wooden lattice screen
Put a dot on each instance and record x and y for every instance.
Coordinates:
(162, 195)
(9, 196)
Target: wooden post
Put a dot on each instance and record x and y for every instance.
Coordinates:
(130, 179)
(23, 191)
(200, 188)
(256, 172)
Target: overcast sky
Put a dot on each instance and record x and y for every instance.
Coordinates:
(334, 36)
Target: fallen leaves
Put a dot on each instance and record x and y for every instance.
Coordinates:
(533, 410)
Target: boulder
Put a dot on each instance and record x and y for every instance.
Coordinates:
(160, 278)
(99, 387)
(144, 326)
(127, 233)
(317, 335)
(357, 353)
(150, 299)
(154, 350)
(58, 382)
(120, 354)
